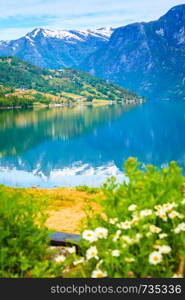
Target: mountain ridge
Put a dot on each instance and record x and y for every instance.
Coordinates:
(56, 48)
(147, 57)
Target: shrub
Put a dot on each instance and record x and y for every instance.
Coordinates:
(141, 231)
(24, 237)
(85, 188)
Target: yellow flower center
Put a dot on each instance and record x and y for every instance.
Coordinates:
(99, 275)
(155, 258)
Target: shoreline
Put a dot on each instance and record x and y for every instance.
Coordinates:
(96, 103)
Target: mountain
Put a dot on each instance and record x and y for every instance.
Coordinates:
(56, 49)
(33, 84)
(148, 58)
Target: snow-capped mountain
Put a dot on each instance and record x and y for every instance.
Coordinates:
(148, 58)
(56, 48)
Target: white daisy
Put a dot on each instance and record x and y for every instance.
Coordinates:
(129, 259)
(155, 258)
(71, 250)
(113, 221)
(80, 261)
(148, 234)
(145, 213)
(115, 253)
(92, 253)
(162, 214)
(174, 214)
(117, 235)
(169, 206)
(162, 235)
(183, 201)
(89, 235)
(98, 264)
(98, 274)
(180, 227)
(132, 207)
(155, 229)
(60, 258)
(164, 249)
(124, 225)
(127, 239)
(177, 276)
(138, 237)
(135, 220)
(101, 232)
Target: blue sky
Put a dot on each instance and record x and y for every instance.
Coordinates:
(19, 17)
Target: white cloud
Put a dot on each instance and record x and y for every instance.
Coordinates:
(80, 14)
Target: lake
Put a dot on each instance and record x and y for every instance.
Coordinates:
(68, 146)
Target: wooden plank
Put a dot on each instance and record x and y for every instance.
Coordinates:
(62, 238)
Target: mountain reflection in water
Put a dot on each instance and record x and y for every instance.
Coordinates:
(69, 146)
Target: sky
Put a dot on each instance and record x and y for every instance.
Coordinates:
(18, 17)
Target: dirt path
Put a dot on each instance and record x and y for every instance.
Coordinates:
(67, 206)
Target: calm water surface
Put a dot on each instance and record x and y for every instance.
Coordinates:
(69, 146)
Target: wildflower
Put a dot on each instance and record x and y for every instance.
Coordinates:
(101, 232)
(60, 258)
(164, 249)
(145, 213)
(92, 253)
(124, 225)
(115, 253)
(162, 235)
(158, 207)
(129, 259)
(180, 227)
(134, 221)
(89, 235)
(177, 276)
(98, 274)
(183, 201)
(71, 250)
(117, 235)
(155, 258)
(174, 214)
(155, 229)
(169, 206)
(132, 207)
(127, 239)
(138, 237)
(99, 263)
(113, 221)
(148, 234)
(80, 261)
(162, 214)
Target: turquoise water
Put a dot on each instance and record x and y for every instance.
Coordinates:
(68, 146)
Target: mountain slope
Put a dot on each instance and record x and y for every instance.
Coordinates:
(61, 85)
(148, 58)
(56, 49)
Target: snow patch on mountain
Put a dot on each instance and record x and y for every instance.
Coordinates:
(160, 32)
(69, 35)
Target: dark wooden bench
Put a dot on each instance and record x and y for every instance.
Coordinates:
(64, 239)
